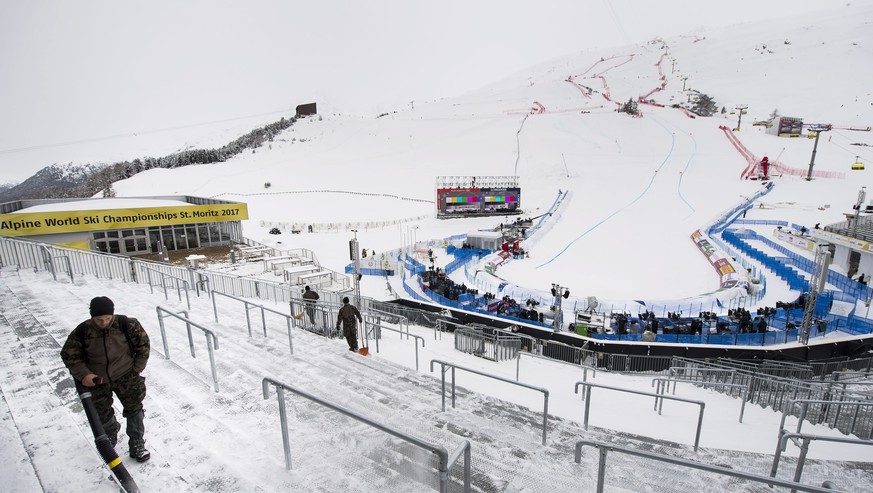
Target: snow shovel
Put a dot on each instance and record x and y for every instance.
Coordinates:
(364, 351)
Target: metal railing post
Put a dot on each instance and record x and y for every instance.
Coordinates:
(685, 463)
(283, 419)
(211, 338)
(377, 336)
(446, 460)
(589, 385)
(453, 366)
(804, 448)
(250, 306)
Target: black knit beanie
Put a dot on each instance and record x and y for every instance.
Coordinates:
(102, 305)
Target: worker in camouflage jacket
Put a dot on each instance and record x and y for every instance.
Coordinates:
(108, 354)
(346, 316)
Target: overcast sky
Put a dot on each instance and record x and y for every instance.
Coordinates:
(85, 72)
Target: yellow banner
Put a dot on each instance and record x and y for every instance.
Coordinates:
(41, 223)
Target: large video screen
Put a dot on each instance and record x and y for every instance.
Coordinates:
(478, 201)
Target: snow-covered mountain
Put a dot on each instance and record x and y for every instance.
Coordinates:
(639, 186)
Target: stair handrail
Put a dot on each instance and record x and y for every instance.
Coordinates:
(662, 385)
(589, 385)
(603, 448)
(211, 338)
(804, 448)
(803, 404)
(248, 318)
(446, 461)
(184, 284)
(552, 360)
(453, 366)
(381, 327)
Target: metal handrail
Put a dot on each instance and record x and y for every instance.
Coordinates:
(603, 448)
(164, 276)
(446, 461)
(441, 326)
(698, 369)
(804, 448)
(263, 315)
(589, 385)
(48, 259)
(804, 406)
(552, 360)
(402, 320)
(663, 385)
(202, 280)
(775, 391)
(453, 366)
(402, 333)
(211, 338)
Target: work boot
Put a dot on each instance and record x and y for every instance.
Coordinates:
(136, 433)
(111, 430)
(139, 452)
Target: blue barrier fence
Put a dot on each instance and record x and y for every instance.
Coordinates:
(411, 292)
(850, 287)
(370, 272)
(462, 256)
(467, 301)
(779, 265)
(786, 267)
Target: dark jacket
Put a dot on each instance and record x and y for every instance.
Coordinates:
(347, 315)
(106, 352)
(310, 296)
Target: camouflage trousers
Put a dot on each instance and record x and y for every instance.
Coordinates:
(130, 390)
(351, 334)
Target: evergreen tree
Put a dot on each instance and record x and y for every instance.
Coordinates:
(631, 107)
(100, 182)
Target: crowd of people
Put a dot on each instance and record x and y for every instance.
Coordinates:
(437, 281)
(703, 323)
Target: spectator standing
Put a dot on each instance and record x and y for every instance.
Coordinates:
(310, 297)
(108, 354)
(347, 315)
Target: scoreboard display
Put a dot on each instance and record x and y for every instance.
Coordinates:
(478, 201)
(790, 126)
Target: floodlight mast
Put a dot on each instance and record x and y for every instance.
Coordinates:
(816, 285)
(356, 257)
(818, 128)
(558, 292)
(862, 196)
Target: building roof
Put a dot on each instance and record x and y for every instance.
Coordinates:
(863, 230)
